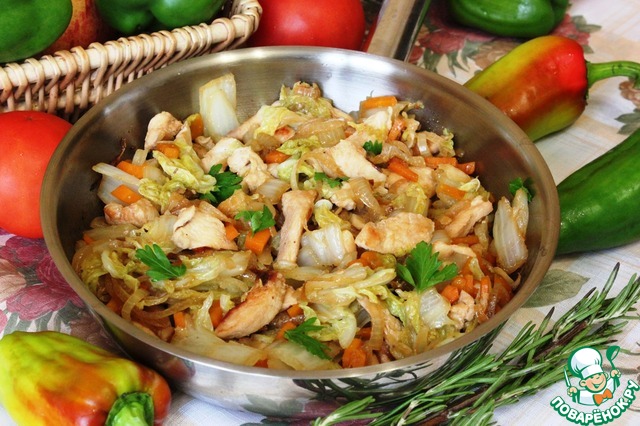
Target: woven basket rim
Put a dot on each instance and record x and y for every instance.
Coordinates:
(67, 83)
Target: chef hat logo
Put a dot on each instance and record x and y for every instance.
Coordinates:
(585, 362)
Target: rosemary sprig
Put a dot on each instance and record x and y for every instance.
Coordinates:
(467, 389)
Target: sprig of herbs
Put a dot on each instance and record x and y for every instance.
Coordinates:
(373, 147)
(422, 268)
(160, 267)
(473, 382)
(300, 336)
(332, 182)
(257, 219)
(526, 184)
(226, 184)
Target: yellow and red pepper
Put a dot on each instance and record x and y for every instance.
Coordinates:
(51, 378)
(543, 84)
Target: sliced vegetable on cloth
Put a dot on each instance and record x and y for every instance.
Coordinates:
(28, 27)
(543, 84)
(510, 18)
(51, 378)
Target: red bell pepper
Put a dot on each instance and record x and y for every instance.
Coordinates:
(543, 84)
(49, 378)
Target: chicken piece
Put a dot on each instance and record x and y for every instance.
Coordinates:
(201, 226)
(137, 213)
(247, 126)
(344, 197)
(396, 235)
(426, 179)
(247, 163)
(259, 308)
(220, 152)
(465, 219)
(162, 127)
(463, 311)
(351, 159)
(297, 206)
(239, 201)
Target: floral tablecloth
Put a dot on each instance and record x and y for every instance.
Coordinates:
(34, 296)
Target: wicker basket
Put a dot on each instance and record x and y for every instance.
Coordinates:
(67, 83)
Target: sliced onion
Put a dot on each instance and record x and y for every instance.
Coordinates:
(364, 193)
(132, 301)
(511, 250)
(273, 189)
(376, 313)
(329, 132)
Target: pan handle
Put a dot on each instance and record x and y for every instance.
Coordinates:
(397, 27)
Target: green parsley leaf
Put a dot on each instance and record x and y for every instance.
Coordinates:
(373, 147)
(422, 268)
(258, 219)
(160, 268)
(332, 182)
(300, 336)
(226, 185)
(526, 184)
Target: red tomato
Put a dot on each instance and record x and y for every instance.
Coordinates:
(27, 141)
(328, 23)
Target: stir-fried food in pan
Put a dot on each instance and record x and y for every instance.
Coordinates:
(303, 238)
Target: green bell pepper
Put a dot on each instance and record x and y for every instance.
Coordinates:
(136, 16)
(510, 18)
(27, 27)
(600, 201)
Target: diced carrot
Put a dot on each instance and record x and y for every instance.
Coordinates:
(115, 305)
(196, 125)
(179, 319)
(372, 259)
(397, 127)
(400, 167)
(451, 191)
(465, 283)
(502, 289)
(262, 363)
(364, 333)
(354, 355)
(451, 293)
(483, 300)
(289, 325)
(258, 241)
(294, 310)
(378, 102)
(126, 194)
(171, 150)
(490, 258)
(275, 157)
(132, 169)
(86, 238)
(467, 239)
(231, 231)
(434, 162)
(469, 167)
(216, 313)
(466, 268)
